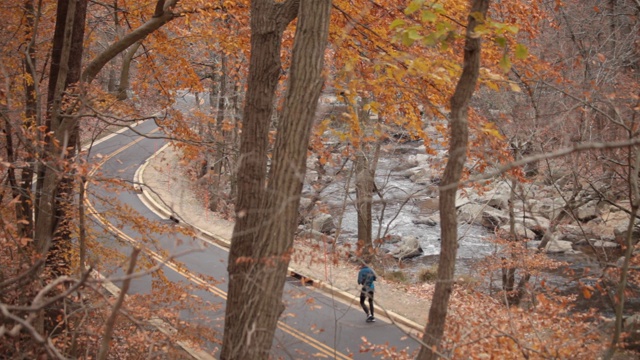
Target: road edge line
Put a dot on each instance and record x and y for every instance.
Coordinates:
(207, 236)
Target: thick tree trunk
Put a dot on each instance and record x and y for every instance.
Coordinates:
(65, 68)
(256, 284)
(52, 232)
(58, 257)
(459, 134)
(267, 26)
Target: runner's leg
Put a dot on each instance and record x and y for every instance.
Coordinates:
(363, 295)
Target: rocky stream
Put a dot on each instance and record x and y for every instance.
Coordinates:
(407, 218)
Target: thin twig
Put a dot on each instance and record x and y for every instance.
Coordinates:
(108, 331)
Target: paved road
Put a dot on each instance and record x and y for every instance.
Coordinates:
(314, 324)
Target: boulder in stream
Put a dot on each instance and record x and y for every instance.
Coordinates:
(409, 247)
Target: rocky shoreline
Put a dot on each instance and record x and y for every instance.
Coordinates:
(550, 214)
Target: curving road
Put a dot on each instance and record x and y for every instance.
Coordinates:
(314, 325)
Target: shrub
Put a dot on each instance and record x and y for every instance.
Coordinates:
(396, 275)
(427, 274)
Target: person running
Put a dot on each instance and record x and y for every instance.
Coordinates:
(366, 277)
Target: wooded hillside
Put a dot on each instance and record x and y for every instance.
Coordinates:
(358, 129)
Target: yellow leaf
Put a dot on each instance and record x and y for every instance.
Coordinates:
(490, 129)
(505, 63)
(521, 52)
(492, 86)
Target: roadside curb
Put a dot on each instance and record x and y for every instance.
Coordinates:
(139, 185)
(155, 205)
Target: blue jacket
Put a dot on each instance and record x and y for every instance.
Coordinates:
(366, 277)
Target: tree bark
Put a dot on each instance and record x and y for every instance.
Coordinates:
(364, 198)
(267, 26)
(220, 135)
(65, 68)
(459, 134)
(366, 160)
(25, 209)
(258, 265)
(123, 86)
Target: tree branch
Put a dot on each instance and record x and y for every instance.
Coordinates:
(159, 9)
(287, 12)
(131, 38)
(552, 155)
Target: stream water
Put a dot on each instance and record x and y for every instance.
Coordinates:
(401, 213)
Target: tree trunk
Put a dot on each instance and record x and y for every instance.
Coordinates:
(257, 280)
(234, 135)
(111, 82)
(221, 140)
(267, 27)
(67, 57)
(364, 196)
(366, 161)
(7, 133)
(513, 294)
(459, 134)
(112, 85)
(123, 86)
(25, 209)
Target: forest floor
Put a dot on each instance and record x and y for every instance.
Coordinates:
(167, 177)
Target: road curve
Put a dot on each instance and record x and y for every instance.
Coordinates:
(314, 325)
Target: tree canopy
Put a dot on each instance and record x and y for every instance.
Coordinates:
(270, 103)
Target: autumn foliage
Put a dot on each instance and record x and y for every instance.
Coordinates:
(559, 76)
